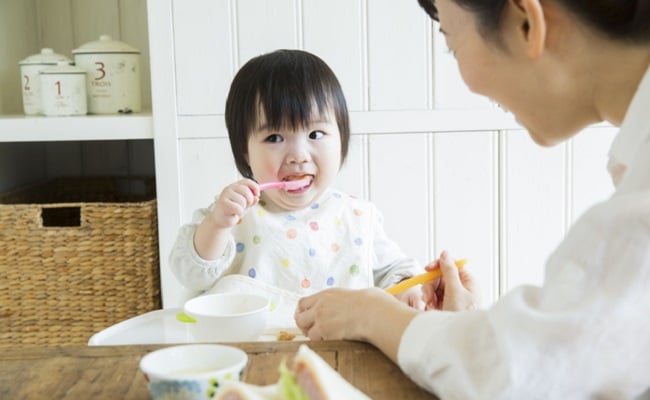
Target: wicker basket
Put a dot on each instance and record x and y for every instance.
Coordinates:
(76, 256)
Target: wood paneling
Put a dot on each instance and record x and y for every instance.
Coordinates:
(533, 213)
(589, 181)
(398, 174)
(445, 167)
(399, 70)
(207, 167)
(17, 20)
(342, 45)
(266, 25)
(464, 171)
(203, 55)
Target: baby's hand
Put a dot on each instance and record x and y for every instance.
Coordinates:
(412, 297)
(233, 202)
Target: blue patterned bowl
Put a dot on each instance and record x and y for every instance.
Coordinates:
(193, 371)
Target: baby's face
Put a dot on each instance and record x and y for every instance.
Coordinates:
(312, 151)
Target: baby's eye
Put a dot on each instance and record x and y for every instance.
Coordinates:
(316, 134)
(274, 138)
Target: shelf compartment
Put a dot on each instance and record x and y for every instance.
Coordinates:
(20, 128)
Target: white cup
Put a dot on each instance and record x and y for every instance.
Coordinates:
(193, 371)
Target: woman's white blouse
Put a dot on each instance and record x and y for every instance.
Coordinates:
(586, 332)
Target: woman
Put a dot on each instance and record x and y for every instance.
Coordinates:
(558, 65)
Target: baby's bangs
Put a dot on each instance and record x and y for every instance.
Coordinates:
(295, 99)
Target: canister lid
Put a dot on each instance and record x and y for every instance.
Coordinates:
(47, 56)
(62, 67)
(105, 44)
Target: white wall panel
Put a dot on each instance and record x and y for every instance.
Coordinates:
(466, 203)
(207, 167)
(399, 68)
(353, 177)
(204, 67)
(534, 212)
(425, 149)
(399, 168)
(92, 18)
(135, 32)
(53, 18)
(15, 16)
(341, 45)
(590, 180)
(266, 25)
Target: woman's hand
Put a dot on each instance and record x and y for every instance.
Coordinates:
(370, 315)
(455, 290)
(412, 297)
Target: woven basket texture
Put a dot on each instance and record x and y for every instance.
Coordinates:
(76, 256)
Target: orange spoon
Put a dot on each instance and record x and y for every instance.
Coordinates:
(417, 279)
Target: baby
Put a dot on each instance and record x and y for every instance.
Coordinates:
(287, 120)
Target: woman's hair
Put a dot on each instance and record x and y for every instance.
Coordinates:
(624, 20)
(288, 87)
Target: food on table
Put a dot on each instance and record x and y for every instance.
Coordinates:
(285, 336)
(311, 378)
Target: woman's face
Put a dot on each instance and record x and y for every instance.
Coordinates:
(542, 94)
(312, 151)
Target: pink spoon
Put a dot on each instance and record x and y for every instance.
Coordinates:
(286, 185)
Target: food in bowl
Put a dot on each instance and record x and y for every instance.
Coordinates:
(227, 317)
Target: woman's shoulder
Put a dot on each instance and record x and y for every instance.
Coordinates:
(611, 231)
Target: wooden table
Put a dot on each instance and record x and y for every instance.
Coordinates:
(82, 372)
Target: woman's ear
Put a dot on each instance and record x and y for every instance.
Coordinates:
(529, 16)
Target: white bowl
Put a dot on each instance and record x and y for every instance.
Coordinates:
(227, 317)
(193, 371)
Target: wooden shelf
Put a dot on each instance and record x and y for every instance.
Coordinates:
(21, 128)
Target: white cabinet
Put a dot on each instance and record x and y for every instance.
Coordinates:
(37, 147)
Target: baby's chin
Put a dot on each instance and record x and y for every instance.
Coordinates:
(288, 204)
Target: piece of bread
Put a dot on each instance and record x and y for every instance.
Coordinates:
(285, 336)
(311, 378)
(236, 390)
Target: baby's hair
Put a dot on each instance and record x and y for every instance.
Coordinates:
(289, 87)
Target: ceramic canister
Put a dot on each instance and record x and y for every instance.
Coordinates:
(63, 90)
(113, 75)
(31, 83)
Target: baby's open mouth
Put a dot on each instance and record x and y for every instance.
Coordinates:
(297, 183)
